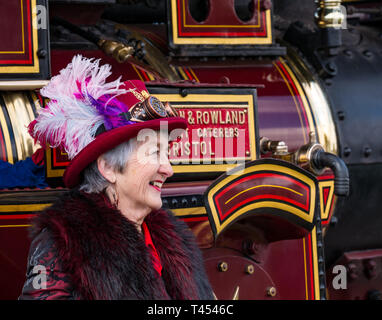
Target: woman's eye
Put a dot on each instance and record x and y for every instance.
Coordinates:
(154, 152)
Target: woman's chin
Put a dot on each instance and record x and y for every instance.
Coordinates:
(155, 204)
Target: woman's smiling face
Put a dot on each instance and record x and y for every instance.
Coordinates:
(139, 185)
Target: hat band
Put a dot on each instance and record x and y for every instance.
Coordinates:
(149, 109)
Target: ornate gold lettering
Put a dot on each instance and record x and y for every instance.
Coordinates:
(199, 117)
(241, 117)
(227, 117)
(234, 117)
(221, 118)
(214, 117)
(181, 113)
(191, 119)
(203, 148)
(206, 117)
(187, 151)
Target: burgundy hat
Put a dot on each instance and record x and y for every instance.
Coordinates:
(87, 117)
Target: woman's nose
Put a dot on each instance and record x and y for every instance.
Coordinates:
(165, 167)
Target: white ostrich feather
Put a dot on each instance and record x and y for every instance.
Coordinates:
(69, 124)
(69, 119)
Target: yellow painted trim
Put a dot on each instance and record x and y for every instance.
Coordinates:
(138, 73)
(15, 225)
(194, 75)
(151, 77)
(315, 265)
(24, 207)
(305, 272)
(218, 40)
(183, 74)
(321, 185)
(52, 173)
(269, 167)
(189, 211)
(262, 186)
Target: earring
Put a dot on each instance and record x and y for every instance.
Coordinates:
(115, 198)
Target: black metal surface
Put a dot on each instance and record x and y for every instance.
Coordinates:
(356, 95)
(352, 76)
(137, 12)
(358, 217)
(227, 51)
(184, 201)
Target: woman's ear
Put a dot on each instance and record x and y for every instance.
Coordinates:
(106, 171)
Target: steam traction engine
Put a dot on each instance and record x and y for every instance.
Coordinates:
(283, 102)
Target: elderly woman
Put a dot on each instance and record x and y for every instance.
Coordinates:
(108, 237)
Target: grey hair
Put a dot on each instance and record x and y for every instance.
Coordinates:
(93, 181)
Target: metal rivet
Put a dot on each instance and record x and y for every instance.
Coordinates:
(367, 151)
(367, 53)
(250, 269)
(183, 92)
(42, 53)
(271, 291)
(223, 266)
(331, 67)
(347, 151)
(194, 201)
(341, 115)
(348, 53)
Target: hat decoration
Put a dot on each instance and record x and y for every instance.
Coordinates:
(86, 116)
(80, 103)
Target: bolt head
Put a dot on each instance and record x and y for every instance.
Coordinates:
(223, 266)
(250, 269)
(271, 291)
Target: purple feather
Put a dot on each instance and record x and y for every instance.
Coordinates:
(110, 112)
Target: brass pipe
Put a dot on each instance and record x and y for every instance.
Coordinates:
(329, 14)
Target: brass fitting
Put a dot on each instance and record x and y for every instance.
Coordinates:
(115, 49)
(303, 157)
(279, 149)
(329, 14)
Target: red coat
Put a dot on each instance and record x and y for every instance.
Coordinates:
(90, 251)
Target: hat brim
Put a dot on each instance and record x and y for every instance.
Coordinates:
(109, 140)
